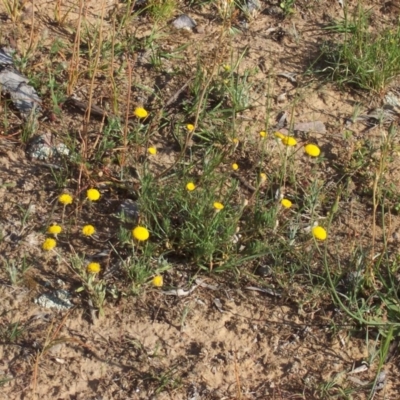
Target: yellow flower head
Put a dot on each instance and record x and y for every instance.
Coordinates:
(157, 281)
(152, 151)
(263, 134)
(235, 167)
(289, 141)
(65, 198)
(235, 141)
(218, 206)
(49, 244)
(54, 229)
(140, 112)
(190, 186)
(279, 135)
(93, 194)
(263, 177)
(312, 150)
(286, 203)
(88, 230)
(227, 68)
(190, 127)
(140, 233)
(319, 232)
(93, 268)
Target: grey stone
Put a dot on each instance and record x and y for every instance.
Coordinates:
(129, 208)
(59, 300)
(23, 95)
(184, 22)
(42, 148)
(253, 6)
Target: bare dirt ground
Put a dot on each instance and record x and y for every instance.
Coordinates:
(253, 347)
(221, 341)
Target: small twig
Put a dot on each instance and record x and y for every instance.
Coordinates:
(244, 182)
(174, 97)
(74, 64)
(96, 64)
(83, 106)
(128, 96)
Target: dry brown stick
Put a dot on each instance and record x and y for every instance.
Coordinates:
(74, 64)
(125, 138)
(176, 94)
(83, 106)
(244, 182)
(96, 64)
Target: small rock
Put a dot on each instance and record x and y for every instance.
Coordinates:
(6, 56)
(42, 148)
(200, 29)
(275, 11)
(23, 95)
(381, 381)
(130, 209)
(263, 270)
(184, 22)
(253, 6)
(281, 98)
(59, 299)
(312, 126)
(244, 24)
(392, 98)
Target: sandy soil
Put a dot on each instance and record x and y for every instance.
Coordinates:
(224, 342)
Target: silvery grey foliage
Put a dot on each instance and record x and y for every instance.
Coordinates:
(12, 82)
(184, 22)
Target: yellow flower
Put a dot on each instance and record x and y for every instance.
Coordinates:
(263, 177)
(190, 186)
(263, 134)
(319, 232)
(235, 141)
(140, 112)
(49, 244)
(93, 268)
(88, 230)
(190, 127)
(286, 203)
(140, 233)
(65, 199)
(157, 281)
(54, 229)
(152, 151)
(218, 206)
(279, 135)
(312, 150)
(227, 68)
(93, 194)
(235, 167)
(289, 141)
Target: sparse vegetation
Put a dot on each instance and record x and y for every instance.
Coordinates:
(361, 57)
(183, 167)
